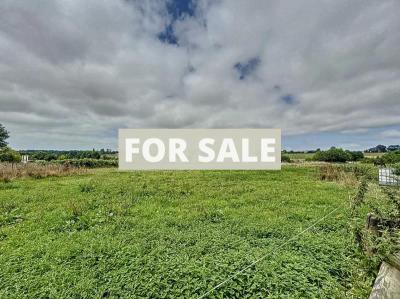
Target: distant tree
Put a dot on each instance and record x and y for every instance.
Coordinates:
(392, 148)
(333, 155)
(388, 159)
(50, 157)
(356, 156)
(3, 136)
(381, 148)
(9, 155)
(377, 149)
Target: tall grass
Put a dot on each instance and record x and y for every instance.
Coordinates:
(10, 171)
(349, 174)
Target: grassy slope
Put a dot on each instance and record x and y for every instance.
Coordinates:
(161, 234)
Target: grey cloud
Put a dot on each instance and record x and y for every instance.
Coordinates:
(73, 69)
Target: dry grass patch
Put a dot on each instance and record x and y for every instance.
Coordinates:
(347, 174)
(10, 171)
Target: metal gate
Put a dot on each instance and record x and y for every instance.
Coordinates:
(388, 178)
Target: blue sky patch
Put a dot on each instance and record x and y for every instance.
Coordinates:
(177, 9)
(180, 8)
(245, 69)
(288, 98)
(168, 36)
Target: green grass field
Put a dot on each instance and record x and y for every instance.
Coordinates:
(177, 234)
(299, 156)
(373, 155)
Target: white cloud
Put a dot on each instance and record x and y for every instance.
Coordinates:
(391, 134)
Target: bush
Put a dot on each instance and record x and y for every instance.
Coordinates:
(88, 163)
(9, 155)
(286, 159)
(333, 155)
(367, 160)
(338, 155)
(388, 158)
(62, 155)
(356, 156)
(396, 168)
(380, 205)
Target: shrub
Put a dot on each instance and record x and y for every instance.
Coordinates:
(380, 205)
(367, 160)
(332, 155)
(355, 156)
(88, 163)
(336, 173)
(9, 155)
(396, 168)
(286, 159)
(388, 158)
(349, 174)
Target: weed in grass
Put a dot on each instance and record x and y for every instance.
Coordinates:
(214, 216)
(86, 187)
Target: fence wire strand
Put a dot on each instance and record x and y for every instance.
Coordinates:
(269, 253)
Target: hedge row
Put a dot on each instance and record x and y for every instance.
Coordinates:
(337, 155)
(87, 163)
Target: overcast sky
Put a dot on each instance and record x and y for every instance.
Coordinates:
(326, 72)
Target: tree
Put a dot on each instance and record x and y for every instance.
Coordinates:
(356, 156)
(381, 148)
(388, 158)
(3, 136)
(332, 155)
(9, 155)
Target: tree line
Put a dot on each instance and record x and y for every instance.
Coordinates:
(50, 155)
(9, 155)
(391, 156)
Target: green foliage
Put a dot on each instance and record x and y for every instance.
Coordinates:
(363, 171)
(368, 160)
(382, 204)
(355, 155)
(396, 168)
(3, 136)
(176, 234)
(9, 155)
(359, 198)
(50, 155)
(88, 163)
(388, 158)
(285, 158)
(337, 155)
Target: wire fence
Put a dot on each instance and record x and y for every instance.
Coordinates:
(388, 178)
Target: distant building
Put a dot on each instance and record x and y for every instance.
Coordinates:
(377, 149)
(383, 149)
